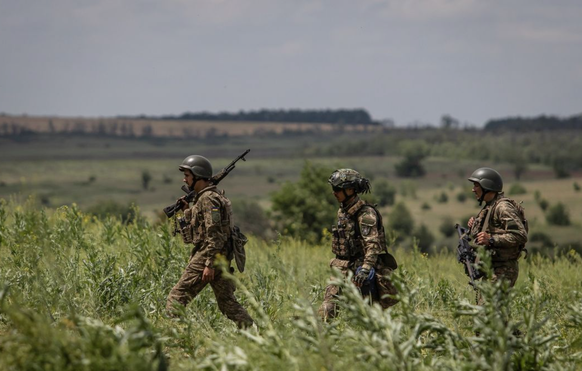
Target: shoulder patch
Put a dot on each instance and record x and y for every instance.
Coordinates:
(215, 213)
(368, 220)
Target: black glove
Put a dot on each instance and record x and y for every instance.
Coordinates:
(361, 277)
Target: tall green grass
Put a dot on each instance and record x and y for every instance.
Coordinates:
(77, 293)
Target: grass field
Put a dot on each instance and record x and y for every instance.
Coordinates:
(80, 294)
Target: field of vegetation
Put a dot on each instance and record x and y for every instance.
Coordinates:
(78, 293)
(87, 259)
(423, 171)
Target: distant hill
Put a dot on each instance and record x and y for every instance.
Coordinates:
(540, 123)
(20, 126)
(324, 116)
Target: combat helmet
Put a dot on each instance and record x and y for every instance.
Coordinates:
(349, 178)
(488, 179)
(198, 165)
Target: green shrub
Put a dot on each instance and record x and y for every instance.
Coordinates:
(576, 187)
(146, 178)
(462, 197)
(45, 200)
(411, 165)
(447, 227)
(442, 198)
(424, 238)
(304, 209)
(540, 238)
(517, 189)
(561, 168)
(558, 215)
(425, 206)
(385, 192)
(126, 213)
(543, 204)
(251, 218)
(401, 220)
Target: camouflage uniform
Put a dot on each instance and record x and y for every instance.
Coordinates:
(209, 228)
(359, 240)
(508, 234)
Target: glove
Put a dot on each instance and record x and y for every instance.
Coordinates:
(361, 277)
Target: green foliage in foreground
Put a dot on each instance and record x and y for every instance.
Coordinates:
(78, 293)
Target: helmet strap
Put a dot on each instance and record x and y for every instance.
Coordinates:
(347, 197)
(195, 180)
(485, 191)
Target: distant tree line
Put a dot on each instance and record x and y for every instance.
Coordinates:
(540, 123)
(329, 116)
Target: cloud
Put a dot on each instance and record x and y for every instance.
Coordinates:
(422, 10)
(288, 49)
(543, 34)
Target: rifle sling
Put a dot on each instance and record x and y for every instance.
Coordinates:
(483, 229)
(486, 221)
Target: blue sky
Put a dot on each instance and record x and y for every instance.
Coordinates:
(408, 60)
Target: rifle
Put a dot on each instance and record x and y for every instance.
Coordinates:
(171, 210)
(466, 255)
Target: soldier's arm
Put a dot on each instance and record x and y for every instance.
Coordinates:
(215, 237)
(511, 232)
(368, 224)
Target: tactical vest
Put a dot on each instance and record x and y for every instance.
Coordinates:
(506, 253)
(347, 243)
(222, 215)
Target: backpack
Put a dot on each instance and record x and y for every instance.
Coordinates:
(521, 213)
(387, 258)
(236, 248)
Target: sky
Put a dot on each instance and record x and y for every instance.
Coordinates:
(411, 61)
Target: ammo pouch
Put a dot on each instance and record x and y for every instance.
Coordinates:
(344, 242)
(236, 248)
(185, 230)
(506, 254)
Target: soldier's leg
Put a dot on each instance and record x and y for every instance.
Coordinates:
(385, 288)
(224, 291)
(189, 285)
(328, 308)
(508, 272)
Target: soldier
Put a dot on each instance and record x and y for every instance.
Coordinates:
(500, 226)
(208, 225)
(359, 244)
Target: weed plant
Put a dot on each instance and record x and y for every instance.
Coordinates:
(80, 293)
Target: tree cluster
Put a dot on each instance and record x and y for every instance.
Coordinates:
(540, 123)
(330, 116)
